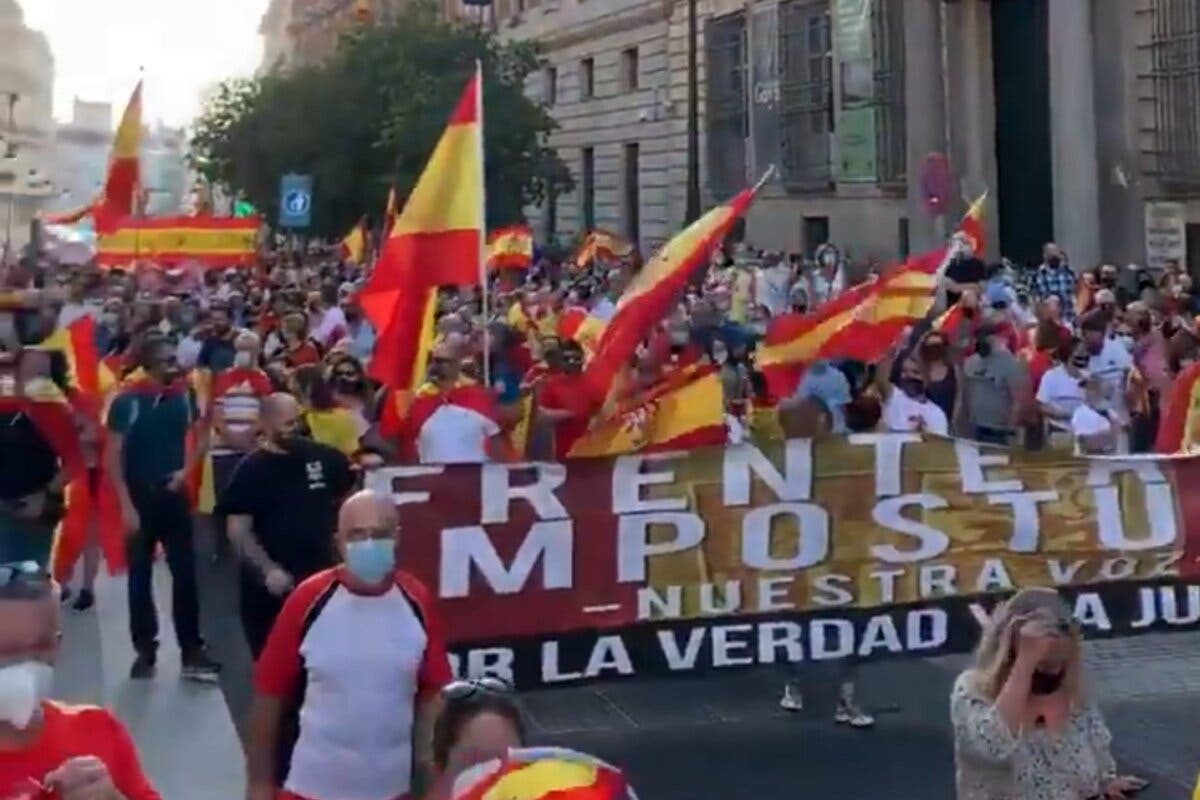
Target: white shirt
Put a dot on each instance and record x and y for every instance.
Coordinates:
(1087, 421)
(73, 311)
(1060, 391)
(772, 288)
(902, 413)
(1112, 365)
(455, 435)
(188, 352)
(331, 321)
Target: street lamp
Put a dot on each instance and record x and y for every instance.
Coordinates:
(10, 153)
(692, 212)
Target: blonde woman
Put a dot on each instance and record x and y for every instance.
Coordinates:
(1023, 727)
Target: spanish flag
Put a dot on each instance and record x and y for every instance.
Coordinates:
(214, 242)
(579, 326)
(389, 212)
(437, 241)
(510, 248)
(655, 289)
(1179, 428)
(686, 410)
(354, 246)
(119, 197)
(121, 186)
(599, 244)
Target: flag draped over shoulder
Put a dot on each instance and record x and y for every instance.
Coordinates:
(655, 289)
(686, 410)
(436, 241)
(510, 248)
(581, 327)
(90, 380)
(1179, 430)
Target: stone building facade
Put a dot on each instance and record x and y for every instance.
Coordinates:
(26, 89)
(1080, 118)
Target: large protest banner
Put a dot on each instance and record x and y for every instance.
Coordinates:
(869, 545)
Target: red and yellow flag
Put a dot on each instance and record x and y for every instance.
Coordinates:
(436, 241)
(122, 184)
(510, 248)
(603, 245)
(354, 245)
(579, 326)
(686, 410)
(211, 241)
(655, 289)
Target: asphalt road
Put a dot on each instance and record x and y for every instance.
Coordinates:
(722, 737)
(710, 738)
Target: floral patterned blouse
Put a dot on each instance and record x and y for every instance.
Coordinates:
(994, 764)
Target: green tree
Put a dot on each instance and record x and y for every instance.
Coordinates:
(369, 117)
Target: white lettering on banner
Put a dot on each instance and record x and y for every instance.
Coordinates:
(497, 492)
(993, 577)
(484, 662)
(1165, 604)
(730, 602)
(628, 480)
(889, 458)
(887, 584)
(1089, 610)
(383, 480)
(1026, 530)
(1116, 569)
(1101, 471)
(634, 548)
(812, 524)
(744, 460)
(1060, 574)
(932, 542)
(551, 542)
(729, 651)
(971, 461)
(1160, 511)
(831, 590)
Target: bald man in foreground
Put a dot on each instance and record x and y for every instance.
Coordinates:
(281, 503)
(348, 685)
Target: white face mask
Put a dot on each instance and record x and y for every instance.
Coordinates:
(23, 687)
(243, 359)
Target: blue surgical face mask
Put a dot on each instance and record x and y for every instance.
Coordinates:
(371, 560)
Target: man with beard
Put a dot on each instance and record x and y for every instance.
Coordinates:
(148, 461)
(282, 504)
(218, 351)
(562, 402)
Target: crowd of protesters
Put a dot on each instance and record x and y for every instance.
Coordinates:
(1046, 356)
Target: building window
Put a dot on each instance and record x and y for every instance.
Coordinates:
(633, 200)
(587, 78)
(629, 69)
(551, 85)
(1174, 79)
(815, 232)
(725, 113)
(806, 95)
(587, 181)
(891, 140)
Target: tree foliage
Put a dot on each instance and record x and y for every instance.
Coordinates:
(369, 117)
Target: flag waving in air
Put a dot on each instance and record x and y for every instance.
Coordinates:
(652, 292)
(510, 248)
(122, 182)
(354, 245)
(437, 241)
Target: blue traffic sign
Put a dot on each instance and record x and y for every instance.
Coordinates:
(295, 201)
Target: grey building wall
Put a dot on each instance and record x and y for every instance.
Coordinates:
(1102, 107)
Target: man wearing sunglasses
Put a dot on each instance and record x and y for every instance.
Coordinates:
(347, 687)
(48, 750)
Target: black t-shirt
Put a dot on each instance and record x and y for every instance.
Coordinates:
(292, 499)
(964, 271)
(28, 462)
(217, 352)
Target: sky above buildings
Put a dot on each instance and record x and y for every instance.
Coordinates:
(184, 46)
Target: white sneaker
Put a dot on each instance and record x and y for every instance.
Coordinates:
(853, 716)
(792, 700)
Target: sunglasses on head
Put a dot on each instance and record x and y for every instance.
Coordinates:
(461, 690)
(23, 575)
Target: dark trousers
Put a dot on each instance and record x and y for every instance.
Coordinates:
(223, 466)
(992, 435)
(258, 609)
(166, 519)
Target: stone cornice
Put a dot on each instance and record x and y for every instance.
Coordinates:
(607, 24)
